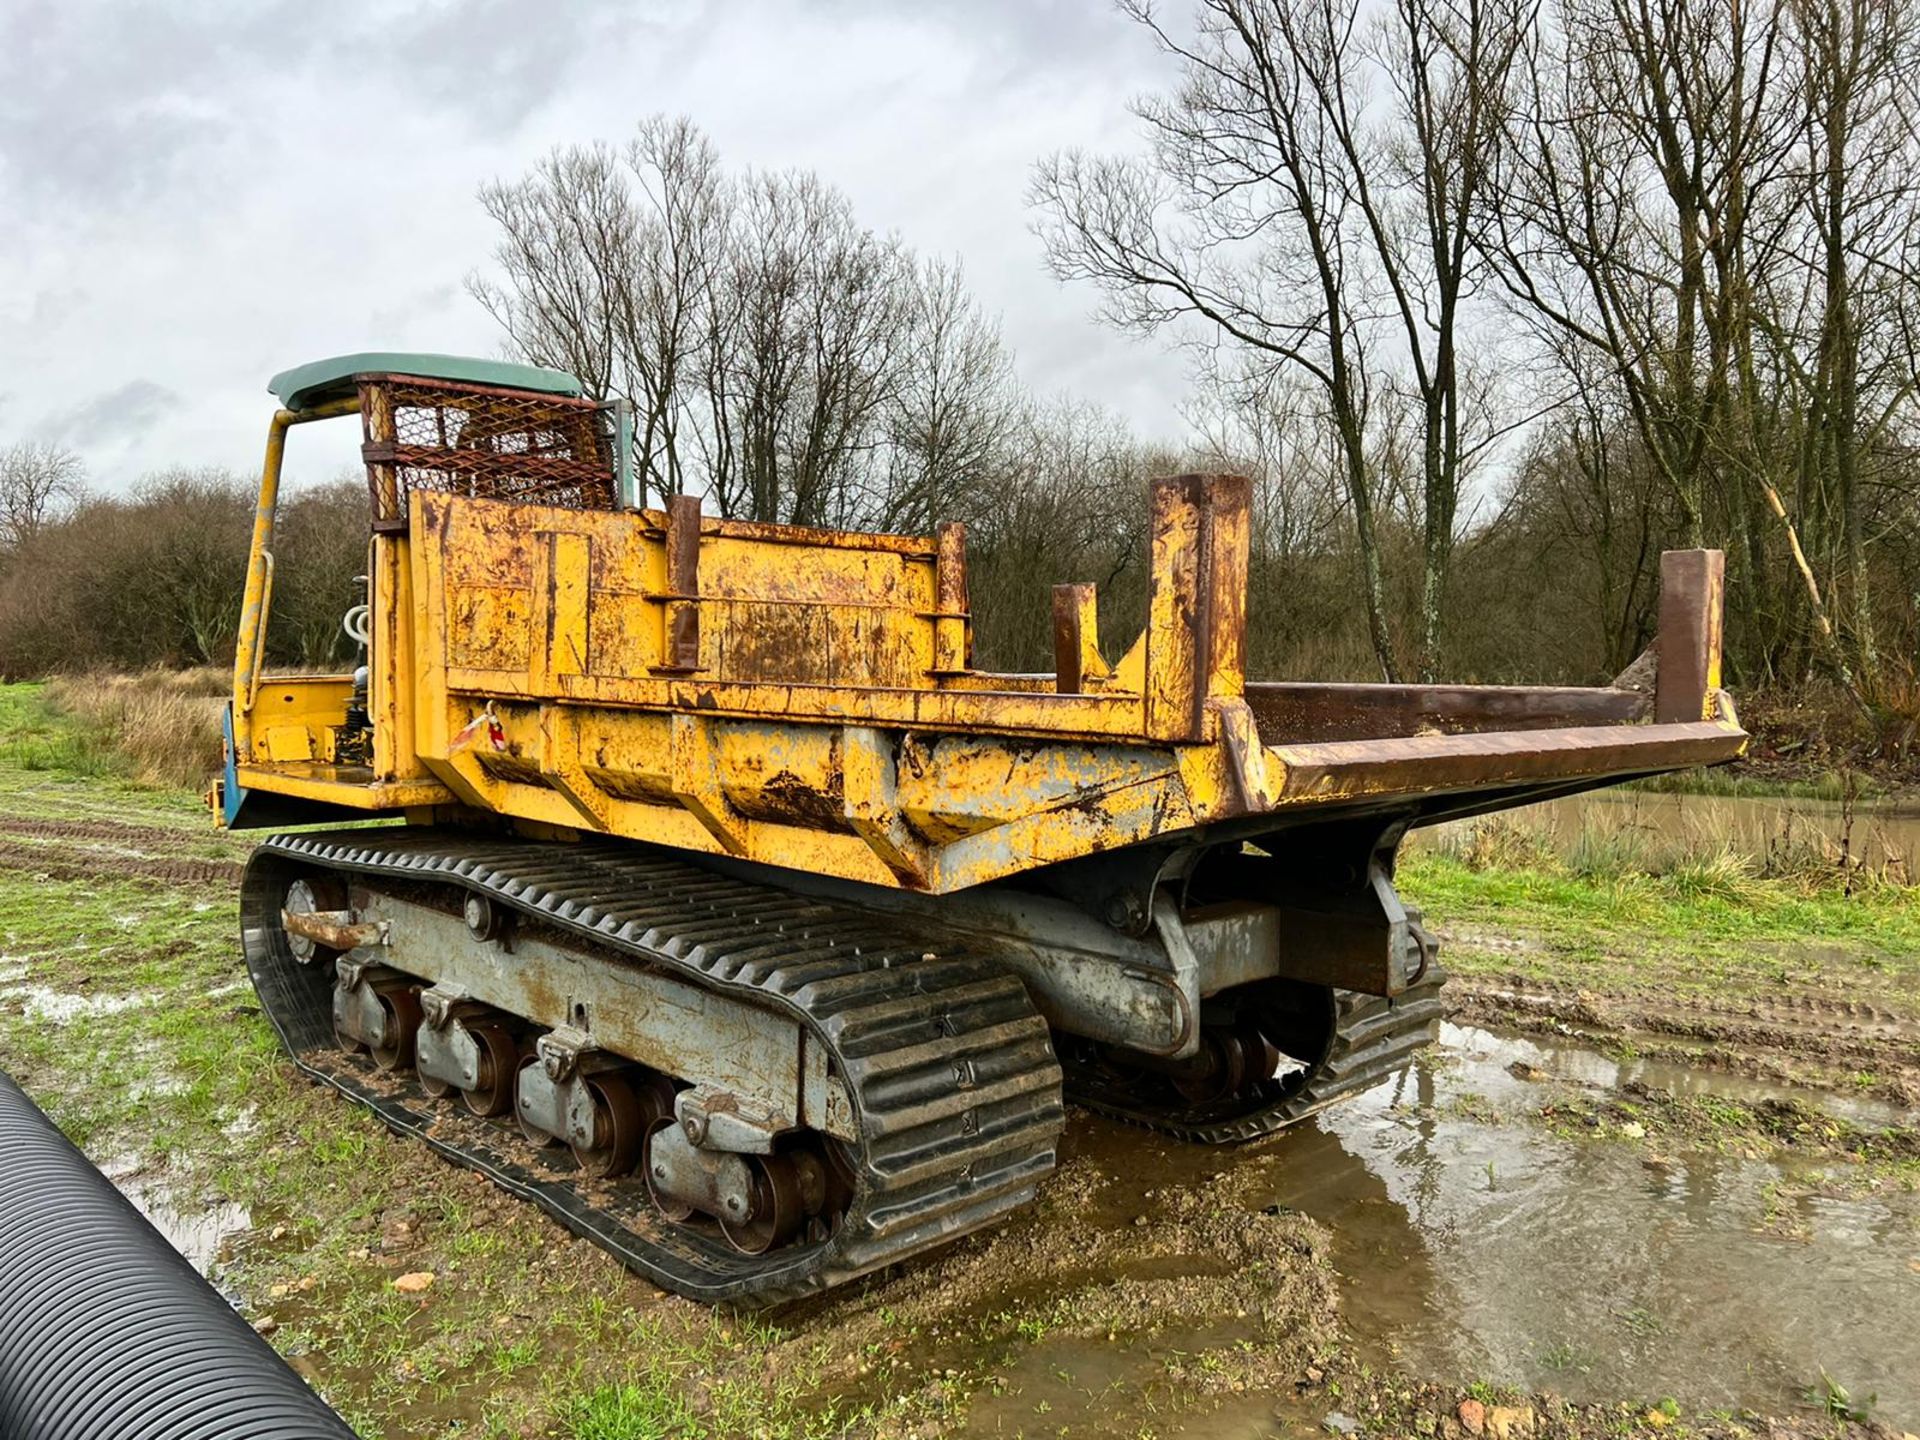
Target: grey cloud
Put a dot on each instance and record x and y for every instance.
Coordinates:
(110, 106)
(409, 309)
(1022, 38)
(166, 170)
(103, 106)
(492, 61)
(122, 414)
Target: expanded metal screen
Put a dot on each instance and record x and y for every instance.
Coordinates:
(480, 441)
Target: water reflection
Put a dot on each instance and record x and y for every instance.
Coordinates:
(1473, 1248)
(1655, 826)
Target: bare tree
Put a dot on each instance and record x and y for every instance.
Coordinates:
(569, 251)
(38, 481)
(608, 263)
(1311, 193)
(804, 354)
(1241, 218)
(1848, 352)
(1250, 419)
(683, 243)
(954, 403)
(756, 326)
(1627, 217)
(1064, 503)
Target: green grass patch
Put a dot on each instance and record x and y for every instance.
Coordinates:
(1716, 932)
(36, 739)
(1713, 901)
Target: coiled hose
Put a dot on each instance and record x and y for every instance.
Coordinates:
(106, 1332)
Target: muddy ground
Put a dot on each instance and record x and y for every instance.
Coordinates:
(1614, 1200)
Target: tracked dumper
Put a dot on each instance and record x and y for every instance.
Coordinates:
(730, 915)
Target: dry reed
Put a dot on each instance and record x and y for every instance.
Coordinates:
(164, 724)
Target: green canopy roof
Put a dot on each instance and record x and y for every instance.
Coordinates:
(321, 380)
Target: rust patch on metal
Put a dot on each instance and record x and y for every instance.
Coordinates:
(1290, 712)
(1692, 587)
(683, 586)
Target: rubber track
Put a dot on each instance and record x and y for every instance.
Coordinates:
(955, 1089)
(1372, 1037)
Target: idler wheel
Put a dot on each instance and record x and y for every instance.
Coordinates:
(499, 1065)
(311, 896)
(1234, 1061)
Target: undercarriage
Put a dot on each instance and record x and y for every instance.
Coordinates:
(746, 1093)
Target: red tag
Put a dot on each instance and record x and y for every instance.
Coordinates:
(484, 724)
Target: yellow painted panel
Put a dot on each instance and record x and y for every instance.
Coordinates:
(286, 742)
(623, 635)
(489, 628)
(563, 596)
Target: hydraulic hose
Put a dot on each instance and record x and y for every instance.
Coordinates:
(106, 1332)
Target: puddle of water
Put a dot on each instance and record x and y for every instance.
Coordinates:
(1505, 1252)
(57, 1007)
(1473, 1249)
(1066, 1386)
(1583, 1065)
(198, 1229)
(1663, 826)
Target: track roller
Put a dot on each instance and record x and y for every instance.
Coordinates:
(1271, 1053)
(376, 1009)
(759, 1201)
(467, 1047)
(508, 970)
(570, 1092)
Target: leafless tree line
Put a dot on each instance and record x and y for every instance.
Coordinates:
(779, 356)
(1673, 240)
(1494, 299)
(1561, 281)
(154, 577)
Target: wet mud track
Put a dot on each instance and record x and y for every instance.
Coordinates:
(1474, 1240)
(1441, 1228)
(1796, 1037)
(108, 850)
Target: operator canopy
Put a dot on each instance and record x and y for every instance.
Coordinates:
(318, 381)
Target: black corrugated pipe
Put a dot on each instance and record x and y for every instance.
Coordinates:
(106, 1332)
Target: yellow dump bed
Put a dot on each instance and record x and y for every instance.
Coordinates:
(805, 697)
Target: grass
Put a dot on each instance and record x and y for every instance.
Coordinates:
(163, 725)
(1719, 901)
(1632, 897)
(34, 739)
(1784, 967)
(167, 1069)
(159, 728)
(1834, 1399)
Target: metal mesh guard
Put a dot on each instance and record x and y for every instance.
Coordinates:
(479, 441)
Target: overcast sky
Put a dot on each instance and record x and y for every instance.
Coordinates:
(193, 197)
